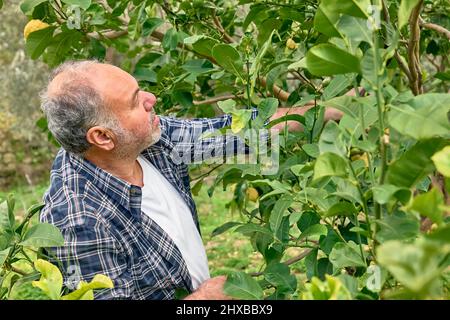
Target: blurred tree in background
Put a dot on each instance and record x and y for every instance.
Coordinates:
(24, 154)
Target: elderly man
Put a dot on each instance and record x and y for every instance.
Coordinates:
(122, 204)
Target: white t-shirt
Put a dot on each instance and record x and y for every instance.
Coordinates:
(164, 205)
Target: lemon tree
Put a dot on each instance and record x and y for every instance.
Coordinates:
(365, 200)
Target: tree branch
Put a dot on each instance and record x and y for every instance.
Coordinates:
(413, 50)
(277, 91)
(435, 27)
(397, 56)
(287, 262)
(113, 34)
(219, 26)
(125, 20)
(216, 99)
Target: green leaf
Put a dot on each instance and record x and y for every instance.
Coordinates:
(425, 116)
(194, 39)
(311, 150)
(325, 22)
(228, 58)
(330, 289)
(204, 46)
(341, 208)
(415, 265)
(150, 25)
(404, 11)
(430, 204)
(441, 235)
(251, 228)
(27, 6)
(337, 86)
(441, 160)
(197, 66)
(240, 118)
(170, 39)
(51, 280)
(278, 275)
(355, 29)
(444, 76)
(267, 28)
(83, 4)
(266, 108)
(241, 286)
(3, 256)
(384, 193)
(224, 227)
(227, 106)
(330, 164)
(414, 164)
(307, 220)
(278, 211)
(60, 45)
(257, 13)
(84, 292)
(327, 243)
(371, 71)
(398, 226)
(145, 74)
(314, 231)
(290, 117)
(332, 139)
(43, 235)
(326, 60)
(346, 255)
(356, 8)
(39, 40)
(6, 226)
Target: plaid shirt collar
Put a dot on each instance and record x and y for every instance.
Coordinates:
(128, 195)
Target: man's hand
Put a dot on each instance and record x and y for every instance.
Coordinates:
(211, 289)
(330, 114)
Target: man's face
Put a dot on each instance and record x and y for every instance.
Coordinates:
(131, 106)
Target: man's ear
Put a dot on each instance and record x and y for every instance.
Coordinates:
(102, 138)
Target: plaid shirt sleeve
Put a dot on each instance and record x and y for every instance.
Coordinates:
(89, 250)
(196, 140)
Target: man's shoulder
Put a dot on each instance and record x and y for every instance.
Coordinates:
(65, 203)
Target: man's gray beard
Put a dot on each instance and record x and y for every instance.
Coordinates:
(129, 146)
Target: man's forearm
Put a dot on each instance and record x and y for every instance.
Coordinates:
(330, 114)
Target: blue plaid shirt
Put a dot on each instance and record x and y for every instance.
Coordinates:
(100, 215)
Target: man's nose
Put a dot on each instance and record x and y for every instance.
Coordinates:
(149, 101)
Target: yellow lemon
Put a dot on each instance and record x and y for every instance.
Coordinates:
(34, 25)
(291, 44)
(252, 194)
(361, 157)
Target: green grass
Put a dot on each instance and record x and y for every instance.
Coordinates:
(25, 196)
(228, 251)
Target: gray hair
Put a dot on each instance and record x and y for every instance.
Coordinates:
(75, 108)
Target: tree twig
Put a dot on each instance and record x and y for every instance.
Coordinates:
(216, 99)
(287, 262)
(219, 26)
(435, 27)
(397, 56)
(413, 50)
(277, 91)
